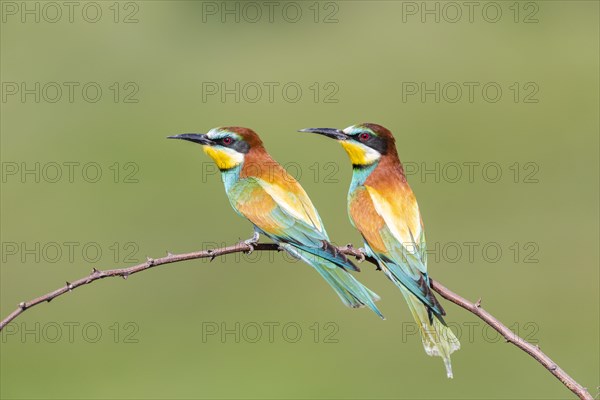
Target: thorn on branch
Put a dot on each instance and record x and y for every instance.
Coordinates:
(150, 261)
(478, 303)
(169, 254)
(95, 271)
(125, 275)
(69, 286)
(22, 305)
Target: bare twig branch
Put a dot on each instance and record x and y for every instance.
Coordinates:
(511, 337)
(125, 272)
(475, 308)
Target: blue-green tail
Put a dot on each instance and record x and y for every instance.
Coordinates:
(438, 340)
(352, 293)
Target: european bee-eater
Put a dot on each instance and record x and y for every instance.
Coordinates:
(261, 190)
(382, 206)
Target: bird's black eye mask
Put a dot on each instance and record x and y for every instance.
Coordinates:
(371, 140)
(241, 146)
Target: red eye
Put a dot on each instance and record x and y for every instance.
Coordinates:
(364, 136)
(227, 140)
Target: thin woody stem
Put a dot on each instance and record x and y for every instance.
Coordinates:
(475, 308)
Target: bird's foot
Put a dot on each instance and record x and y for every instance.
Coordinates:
(363, 256)
(360, 257)
(252, 242)
(356, 253)
(325, 245)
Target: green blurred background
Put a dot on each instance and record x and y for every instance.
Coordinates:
(170, 57)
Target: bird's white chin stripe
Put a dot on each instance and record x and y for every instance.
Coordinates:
(371, 155)
(235, 156)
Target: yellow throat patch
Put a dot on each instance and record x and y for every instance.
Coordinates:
(223, 157)
(359, 154)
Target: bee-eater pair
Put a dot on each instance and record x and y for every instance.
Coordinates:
(381, 206)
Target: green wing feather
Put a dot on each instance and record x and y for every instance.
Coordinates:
(300, 235)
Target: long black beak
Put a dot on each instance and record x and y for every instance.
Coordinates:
(329, 132)
(193, 137)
